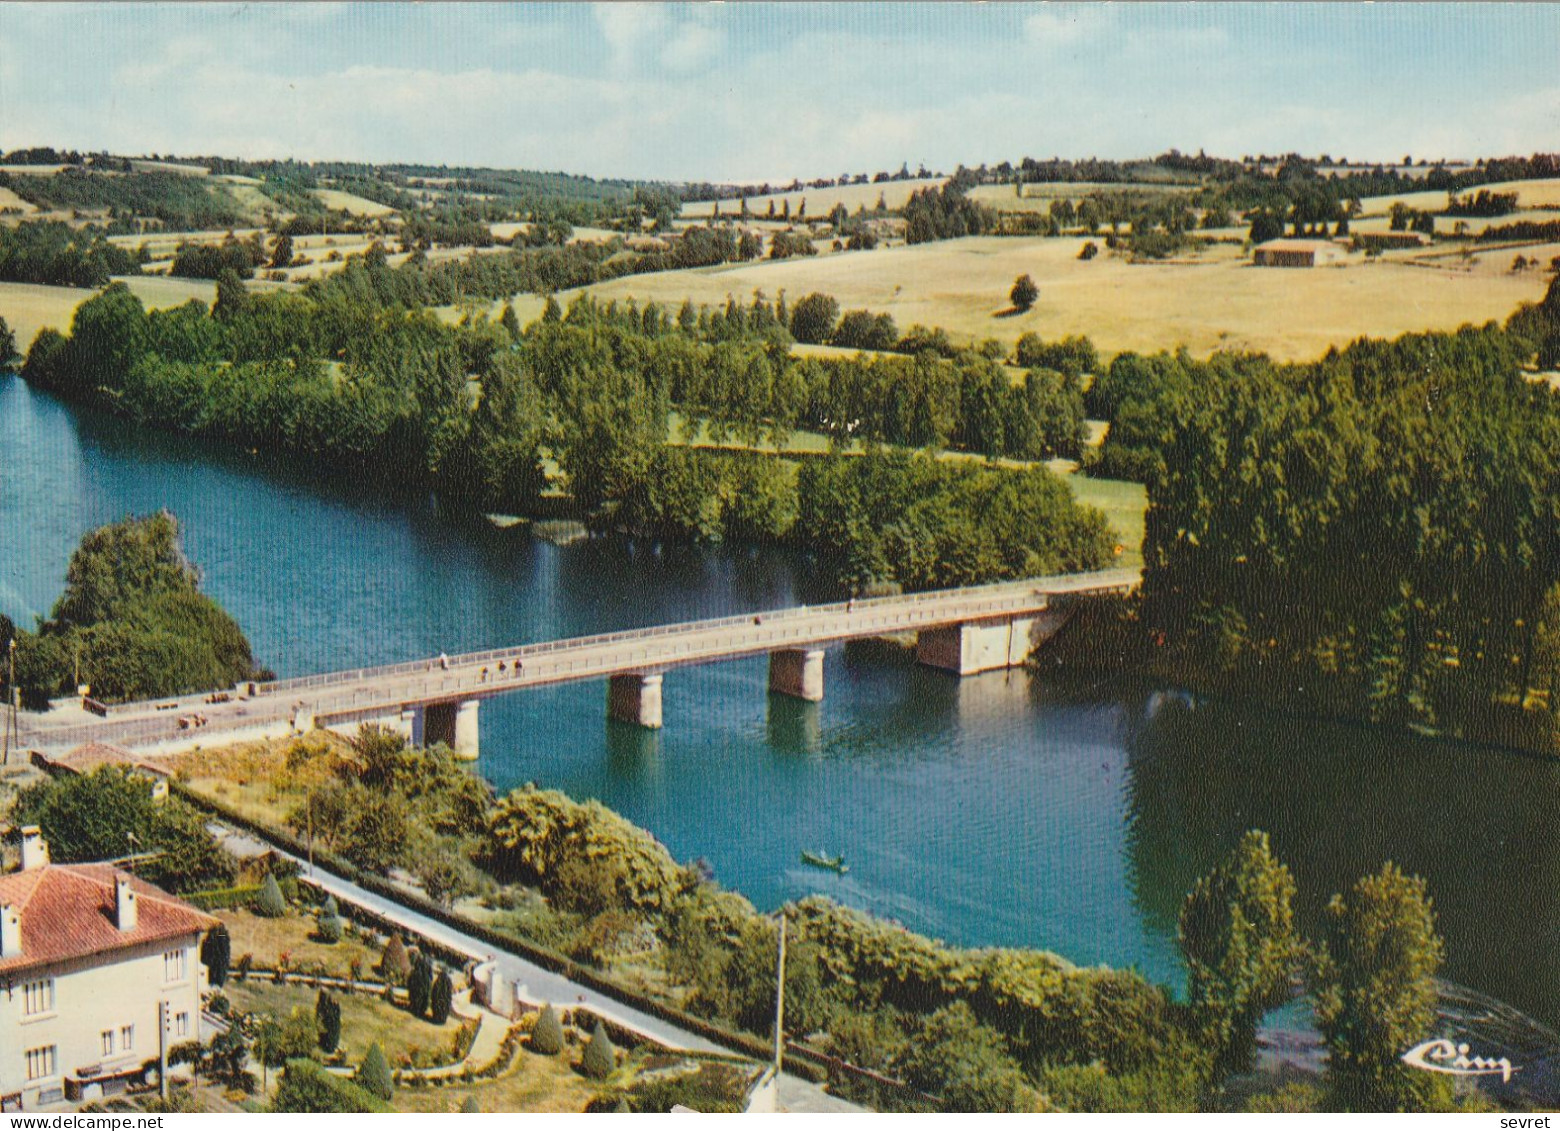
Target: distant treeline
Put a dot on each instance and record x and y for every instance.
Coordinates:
(178, 201)
(55, 254)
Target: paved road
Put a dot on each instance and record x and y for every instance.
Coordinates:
(536, 983)
(338, 696)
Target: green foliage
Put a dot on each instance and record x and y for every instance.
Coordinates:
(1092, 1088)
(95, 816)
(294, 1036)
(327, 1014)
(328, 927)
(1375, 992)
(373, 1075)
(964, 1063)
(53, 253)
(270, 904)
(132, 621)
(394, 963)
(307, 1087)
(216, 952)
(1238, 936)
(419, 986)
(1024, 293)
(813, 318)
(582, 855)
(600, 1057)
(547, 1036)
(441, 998)
(183, 203)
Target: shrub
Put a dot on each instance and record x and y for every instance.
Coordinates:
(419, 987)
(441, 998)
(394, 963)
(269, 904)
(306, 1087)
(1024, 293)
(600, 1056)
(547, 1036)
(374, 1073)
(327, 1011)
(330, 929)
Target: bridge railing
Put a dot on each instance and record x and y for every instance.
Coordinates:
(1102, 581)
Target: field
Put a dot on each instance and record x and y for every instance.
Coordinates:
(356, 205)
(9, 199)
(1530, 195)
(28, 308)
(1215, 301)
(820, 200)
(1038, 197)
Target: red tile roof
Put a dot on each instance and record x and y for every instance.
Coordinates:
(67, 912)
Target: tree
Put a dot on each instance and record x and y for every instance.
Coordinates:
(441, 998)
(419, 986)
(232, 296)
(813, 318)
(547, 1036)
(373, 1075)
(1024, 293)
(329, 927)
(1238, 935)
(510, 321)
(965, 1064)
(600, 1057)
(8, 355)
(393, 963)
(1375, 992)
(216, 951)
(282, 252)
(270, 904)
(277, 1042)
(327, 1015)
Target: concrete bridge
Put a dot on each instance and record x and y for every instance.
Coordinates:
(961, 631)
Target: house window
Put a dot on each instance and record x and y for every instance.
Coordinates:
(127, 1037)
(40, 1063)
(108, 1042)
(181, 1024)
(38, 997)
(173, 966)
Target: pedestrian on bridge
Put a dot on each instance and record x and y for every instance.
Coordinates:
(444, 662)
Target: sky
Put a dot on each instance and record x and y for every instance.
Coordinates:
(748, 91)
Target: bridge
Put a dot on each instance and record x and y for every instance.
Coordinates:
(961, 631)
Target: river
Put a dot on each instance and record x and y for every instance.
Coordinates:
(994, 810)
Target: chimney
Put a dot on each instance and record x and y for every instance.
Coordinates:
(35, 850)
(10, 931)
(124, 904)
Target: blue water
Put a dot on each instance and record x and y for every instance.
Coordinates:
(992, 810)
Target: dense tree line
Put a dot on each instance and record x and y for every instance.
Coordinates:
(593, 389)
(1371, 534)
(131, 623)
(945, 212)
(1482, 203)
(178, 201)
(210, 261)
(55, 254)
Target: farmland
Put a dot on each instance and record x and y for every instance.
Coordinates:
(820, 201)
(1215, 300)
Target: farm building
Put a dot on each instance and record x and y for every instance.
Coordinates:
(1296, 253)
(1390, 241)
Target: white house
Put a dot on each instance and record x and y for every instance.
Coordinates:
(90, 959)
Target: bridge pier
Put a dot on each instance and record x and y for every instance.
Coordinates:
(635, 697)
(454, 724)
(988, 645)
(797, 672)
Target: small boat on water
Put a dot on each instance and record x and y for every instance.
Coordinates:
(823, 860)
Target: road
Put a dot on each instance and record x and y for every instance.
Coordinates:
(367, 692)
(536, 983)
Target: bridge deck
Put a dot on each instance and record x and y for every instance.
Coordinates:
(336, 696)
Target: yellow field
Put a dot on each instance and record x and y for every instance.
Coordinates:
(170, 167)
(821, 200)
(1217, 301)
(28, 308)
(356, 205)
(1530, 194)
(1038, 197)
(9, 199)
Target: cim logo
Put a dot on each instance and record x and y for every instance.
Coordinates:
(1452, 1059)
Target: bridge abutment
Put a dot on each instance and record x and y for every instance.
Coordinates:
(635, 697)
(454, 724)
(990, 644)
(797, 672)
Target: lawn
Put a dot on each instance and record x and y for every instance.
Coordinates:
(267, 939)
(1214, 301)
(1124, 504)
(365, 1019)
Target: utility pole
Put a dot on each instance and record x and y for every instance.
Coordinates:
(780, 997)
(163, 1022)
(11, 700)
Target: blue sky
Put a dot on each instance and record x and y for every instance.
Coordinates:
(750, 91)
